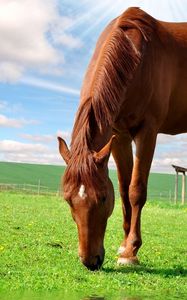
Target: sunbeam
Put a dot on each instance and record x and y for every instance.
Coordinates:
(80, 17)
(109, 10)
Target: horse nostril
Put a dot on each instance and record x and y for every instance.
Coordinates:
(99, 261)
(94, 264)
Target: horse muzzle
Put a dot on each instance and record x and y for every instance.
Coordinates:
(93, 263)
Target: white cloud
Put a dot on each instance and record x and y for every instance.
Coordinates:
(24, 27)
(164, 139)
(51, 158)
(11, 146)
(59, 35)
(10, 71)
(11, 150)
(15, 123)
(163, 161)
(46, 138)
(67, 40)
(182, 138)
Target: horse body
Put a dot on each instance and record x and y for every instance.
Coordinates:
(134, 88)
(175, 120)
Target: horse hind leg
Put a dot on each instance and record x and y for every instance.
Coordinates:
(145, 145)
(122, 153)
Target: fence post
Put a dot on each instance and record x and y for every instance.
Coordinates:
(170, 196)
(176, 187)
(39, 187)
(183, 187)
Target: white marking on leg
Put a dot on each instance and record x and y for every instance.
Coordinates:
(127, 261)
(82, 192)
(123, 261)
(121, 249)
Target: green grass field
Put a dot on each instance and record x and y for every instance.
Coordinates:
(38, 251)
(160, 185)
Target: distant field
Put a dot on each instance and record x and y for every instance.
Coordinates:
(48, 175)
(160, 185)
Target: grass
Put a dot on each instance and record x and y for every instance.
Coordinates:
(38, 251)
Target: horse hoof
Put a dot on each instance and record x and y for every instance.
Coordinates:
(121, 249)
(128, 261)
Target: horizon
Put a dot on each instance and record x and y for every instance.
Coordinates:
(64, 166)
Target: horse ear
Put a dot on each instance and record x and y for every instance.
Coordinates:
(103, 155)
(63, 149)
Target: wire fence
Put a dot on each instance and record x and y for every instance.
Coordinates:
(29, 189)
(39, 189)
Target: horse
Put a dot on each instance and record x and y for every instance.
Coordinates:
(134, 88)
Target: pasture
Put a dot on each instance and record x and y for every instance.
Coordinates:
(38, 251)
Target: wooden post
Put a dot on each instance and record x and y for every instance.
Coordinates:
(176, 187)
(183, 171)
(39, 184)
(170, 196)
(183, 187)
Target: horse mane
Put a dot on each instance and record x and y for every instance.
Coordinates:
(116, 66)
(82, 168)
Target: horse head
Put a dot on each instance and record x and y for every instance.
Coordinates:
(91, 201)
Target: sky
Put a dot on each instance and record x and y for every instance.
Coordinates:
(45, 48)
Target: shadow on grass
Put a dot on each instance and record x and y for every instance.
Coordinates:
(105, 298)
(141, 269)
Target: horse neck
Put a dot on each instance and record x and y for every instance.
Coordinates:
(101, 138)
(87, 140)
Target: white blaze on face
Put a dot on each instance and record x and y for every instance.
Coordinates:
(82, 192)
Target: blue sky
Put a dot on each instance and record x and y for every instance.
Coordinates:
(45, 48)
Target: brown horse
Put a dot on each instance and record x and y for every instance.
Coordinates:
(135, 87)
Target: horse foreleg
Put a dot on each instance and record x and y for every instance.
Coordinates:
(145, 144)
(122, 153)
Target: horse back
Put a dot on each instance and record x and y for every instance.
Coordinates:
(175, 121)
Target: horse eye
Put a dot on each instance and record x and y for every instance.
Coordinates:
(103, 199)
(69, 202)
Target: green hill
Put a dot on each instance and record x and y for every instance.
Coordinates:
(160, 185)
(20, 173)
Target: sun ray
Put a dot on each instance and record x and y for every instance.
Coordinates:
(80, 17)
(104, 16)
